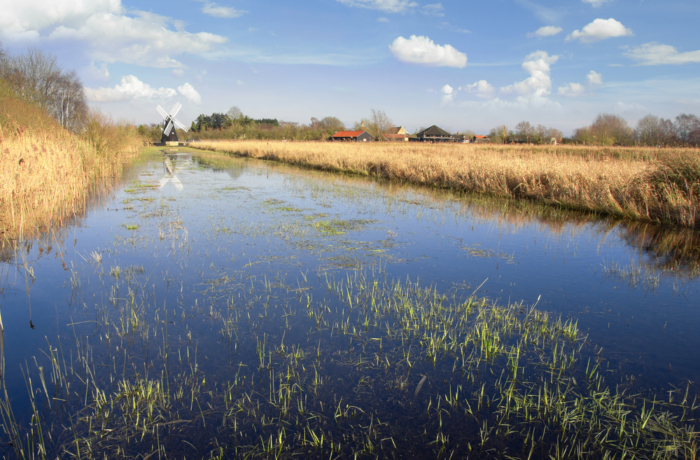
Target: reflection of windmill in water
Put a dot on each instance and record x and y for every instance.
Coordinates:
(169, 124)
(172, 165)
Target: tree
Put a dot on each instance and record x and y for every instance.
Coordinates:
(234, 113)
(524, 130)
(69, 106)
(331, 125)
(687, 128)
(500, 134)
(607, 129)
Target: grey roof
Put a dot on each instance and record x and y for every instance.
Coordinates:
(433, 131)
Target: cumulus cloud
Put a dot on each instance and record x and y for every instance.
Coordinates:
(190, 93)
(577, 89)
(212, 9)
(594, 78)
(390, 6)
(600, 29)
(129, 88)
(658, 54)
(422, 50)
(596, 3)
(546, 31)
(448, 94)
(434, 9)
(105, 30)
(572, 90)
(481, 89)
(539, 84)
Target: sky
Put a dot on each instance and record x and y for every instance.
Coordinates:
(462, 65)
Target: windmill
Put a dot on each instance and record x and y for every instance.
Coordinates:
(169, 121)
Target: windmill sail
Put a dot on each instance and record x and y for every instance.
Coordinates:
(168, 128)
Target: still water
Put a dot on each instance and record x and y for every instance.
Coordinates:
(277, 312)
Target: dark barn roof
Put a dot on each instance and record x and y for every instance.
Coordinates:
(433, 131)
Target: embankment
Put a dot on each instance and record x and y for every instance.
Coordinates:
(47, 172)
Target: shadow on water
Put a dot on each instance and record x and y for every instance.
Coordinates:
(226, 308)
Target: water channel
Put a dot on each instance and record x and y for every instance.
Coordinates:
(247, 293)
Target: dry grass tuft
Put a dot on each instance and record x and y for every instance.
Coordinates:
(638, 183)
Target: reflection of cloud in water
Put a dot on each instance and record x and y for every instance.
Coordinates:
(233, 167)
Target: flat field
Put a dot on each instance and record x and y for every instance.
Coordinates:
(660, 185)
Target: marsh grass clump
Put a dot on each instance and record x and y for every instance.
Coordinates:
(634, 183)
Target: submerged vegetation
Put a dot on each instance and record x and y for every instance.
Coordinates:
(46, 171)
(636, 183)
(424, 374)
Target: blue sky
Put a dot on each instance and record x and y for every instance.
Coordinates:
(460, 65)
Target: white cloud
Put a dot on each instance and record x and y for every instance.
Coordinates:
(26, 20)
(422, 50)
(596, 3)
(658, 54)
(448, 26)
(434, 9)
(105, 31)
(212, 9)
(539, 84)
(190, 93)
(448, 94)
(600, 29)
(546, 31)
(382, 20)
(594, 78)
(390, 6)
(252, 29)
(240, 82)
(101, 73)
(481, 89)
(572, 90)
(178, 73)
(577, 89)
(129, 88)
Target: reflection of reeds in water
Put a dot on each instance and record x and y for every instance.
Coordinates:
(642, 184)
(2, 350)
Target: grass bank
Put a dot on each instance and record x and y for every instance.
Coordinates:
(47, 172)
(659, 185)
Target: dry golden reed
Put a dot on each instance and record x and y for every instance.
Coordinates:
(46, 173)
(638, 183)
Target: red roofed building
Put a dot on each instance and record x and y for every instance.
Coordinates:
(353, 136)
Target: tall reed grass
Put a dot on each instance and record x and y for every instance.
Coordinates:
(660, 185)
(46, 172)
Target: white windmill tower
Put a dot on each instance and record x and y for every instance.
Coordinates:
(169, 122)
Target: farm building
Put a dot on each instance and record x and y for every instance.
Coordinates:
(352, 136)
(396, 137)
(433, 134)
(397, 130)
(481, 140)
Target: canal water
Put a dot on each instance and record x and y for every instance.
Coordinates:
(245, 293)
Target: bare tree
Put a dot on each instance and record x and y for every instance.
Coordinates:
(380, 124)
(69, 106)
(234, 113)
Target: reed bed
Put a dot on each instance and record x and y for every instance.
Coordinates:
(47, 173)
(637, 183)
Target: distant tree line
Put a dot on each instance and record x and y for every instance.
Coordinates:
(524, 133)
(235, 125)
(37, 78)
